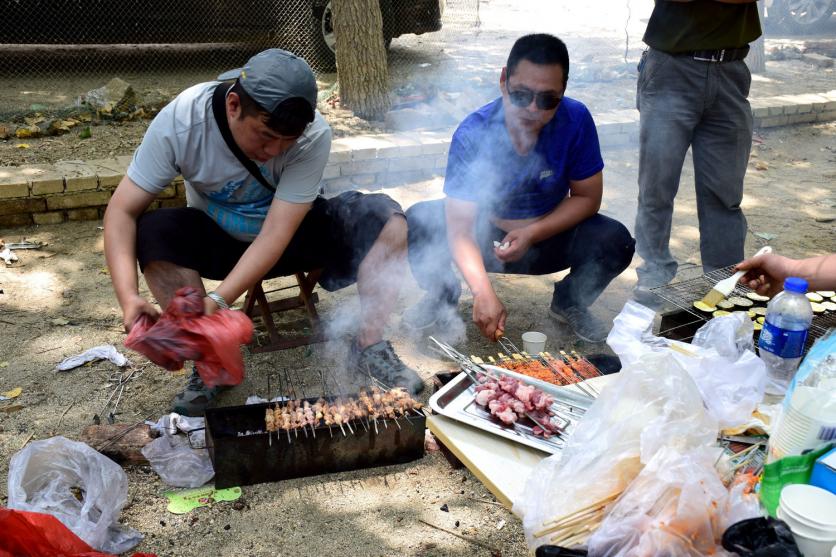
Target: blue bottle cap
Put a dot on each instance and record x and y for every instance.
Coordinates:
(795, 284)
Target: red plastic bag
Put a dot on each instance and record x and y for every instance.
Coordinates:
(183, 333)
(26, 534)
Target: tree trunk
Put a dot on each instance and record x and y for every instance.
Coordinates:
(362, 67)
(756, 60)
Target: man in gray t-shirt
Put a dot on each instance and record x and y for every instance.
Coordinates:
(239, 227)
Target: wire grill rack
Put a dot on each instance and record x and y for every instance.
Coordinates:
(684, 293)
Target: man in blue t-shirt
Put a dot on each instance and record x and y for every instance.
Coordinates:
(524, 186)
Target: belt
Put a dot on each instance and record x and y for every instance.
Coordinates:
(723, 55)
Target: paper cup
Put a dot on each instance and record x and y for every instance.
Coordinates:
(534, 342)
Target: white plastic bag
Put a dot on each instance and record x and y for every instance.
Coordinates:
(729, 375)
(652, 403)
(677, 506)
(79, 486)
(177, 463)
(103, 352)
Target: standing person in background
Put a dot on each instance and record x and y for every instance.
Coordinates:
(691, 92)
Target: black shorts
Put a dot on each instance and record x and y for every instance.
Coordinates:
(335, 235)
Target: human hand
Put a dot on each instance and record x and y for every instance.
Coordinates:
(133, 308)
(489, 315)
(765, 274)
(518, 243)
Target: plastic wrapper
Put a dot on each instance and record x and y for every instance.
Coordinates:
(816, 361)
(79, 486)
(42, 535)
(653, 403)
(103, 352)
(183, 333)
(676, 507)
(729, 375)
(177, 463)
(193, 426)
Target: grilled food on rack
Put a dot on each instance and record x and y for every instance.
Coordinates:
(510, 400)
(545, 367)
(298, 414)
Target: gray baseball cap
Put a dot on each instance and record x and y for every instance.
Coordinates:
(273, 76)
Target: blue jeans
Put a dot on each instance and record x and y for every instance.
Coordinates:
(597, 250)
(684, 102)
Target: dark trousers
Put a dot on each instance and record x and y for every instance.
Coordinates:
(689, 103)
(597, 250)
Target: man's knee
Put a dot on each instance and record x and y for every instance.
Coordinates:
(425, 219)
(616, 242)
(394, 233)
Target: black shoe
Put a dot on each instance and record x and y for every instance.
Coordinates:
(585, 325)
(380, 361)
(195, 398)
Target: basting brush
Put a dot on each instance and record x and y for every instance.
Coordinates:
(726, 286)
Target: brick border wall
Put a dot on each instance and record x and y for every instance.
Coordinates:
(80, 190)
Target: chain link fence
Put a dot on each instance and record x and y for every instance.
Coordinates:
(54, 52)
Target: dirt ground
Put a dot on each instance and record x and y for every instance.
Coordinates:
(57, 302)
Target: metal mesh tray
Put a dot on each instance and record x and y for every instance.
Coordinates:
(684, 293)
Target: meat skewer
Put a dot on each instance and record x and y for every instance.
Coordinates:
(295, 414)
(509, 399)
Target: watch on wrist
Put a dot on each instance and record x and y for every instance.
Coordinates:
(218, 299)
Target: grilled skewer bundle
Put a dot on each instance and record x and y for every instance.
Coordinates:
(566, 370)
(510, 400)
(377, 404)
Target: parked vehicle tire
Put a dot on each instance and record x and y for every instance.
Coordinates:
(800, 16)
(323, 41)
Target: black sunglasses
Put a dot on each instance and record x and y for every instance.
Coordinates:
(523, 97)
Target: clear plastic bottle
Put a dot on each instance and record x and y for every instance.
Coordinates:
(788, 317)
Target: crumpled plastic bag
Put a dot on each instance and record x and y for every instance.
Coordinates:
(193, 426)
(721, 360)
(42, 535)
(183, 333)
(652, 403)
(103, 352)
(677, 506)
(174, 459)
(761, 537)
(79, 486)
(815, 361)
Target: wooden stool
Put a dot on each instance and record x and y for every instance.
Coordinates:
(306, 298)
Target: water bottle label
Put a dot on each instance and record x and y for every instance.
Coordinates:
(781, 342)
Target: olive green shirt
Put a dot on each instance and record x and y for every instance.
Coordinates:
(701, 25)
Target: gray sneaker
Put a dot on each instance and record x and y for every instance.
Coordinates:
(647, 298)
(380, 361)
(195, 398)
(585, 325)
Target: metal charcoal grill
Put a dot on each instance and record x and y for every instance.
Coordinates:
(683, 324)
(241, 457)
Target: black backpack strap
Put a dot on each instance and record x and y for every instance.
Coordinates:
(219, 110)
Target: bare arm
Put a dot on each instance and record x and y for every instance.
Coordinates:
(583, 202)
(281, 223)
(766, 273)
(488, 312)
(128, 202)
